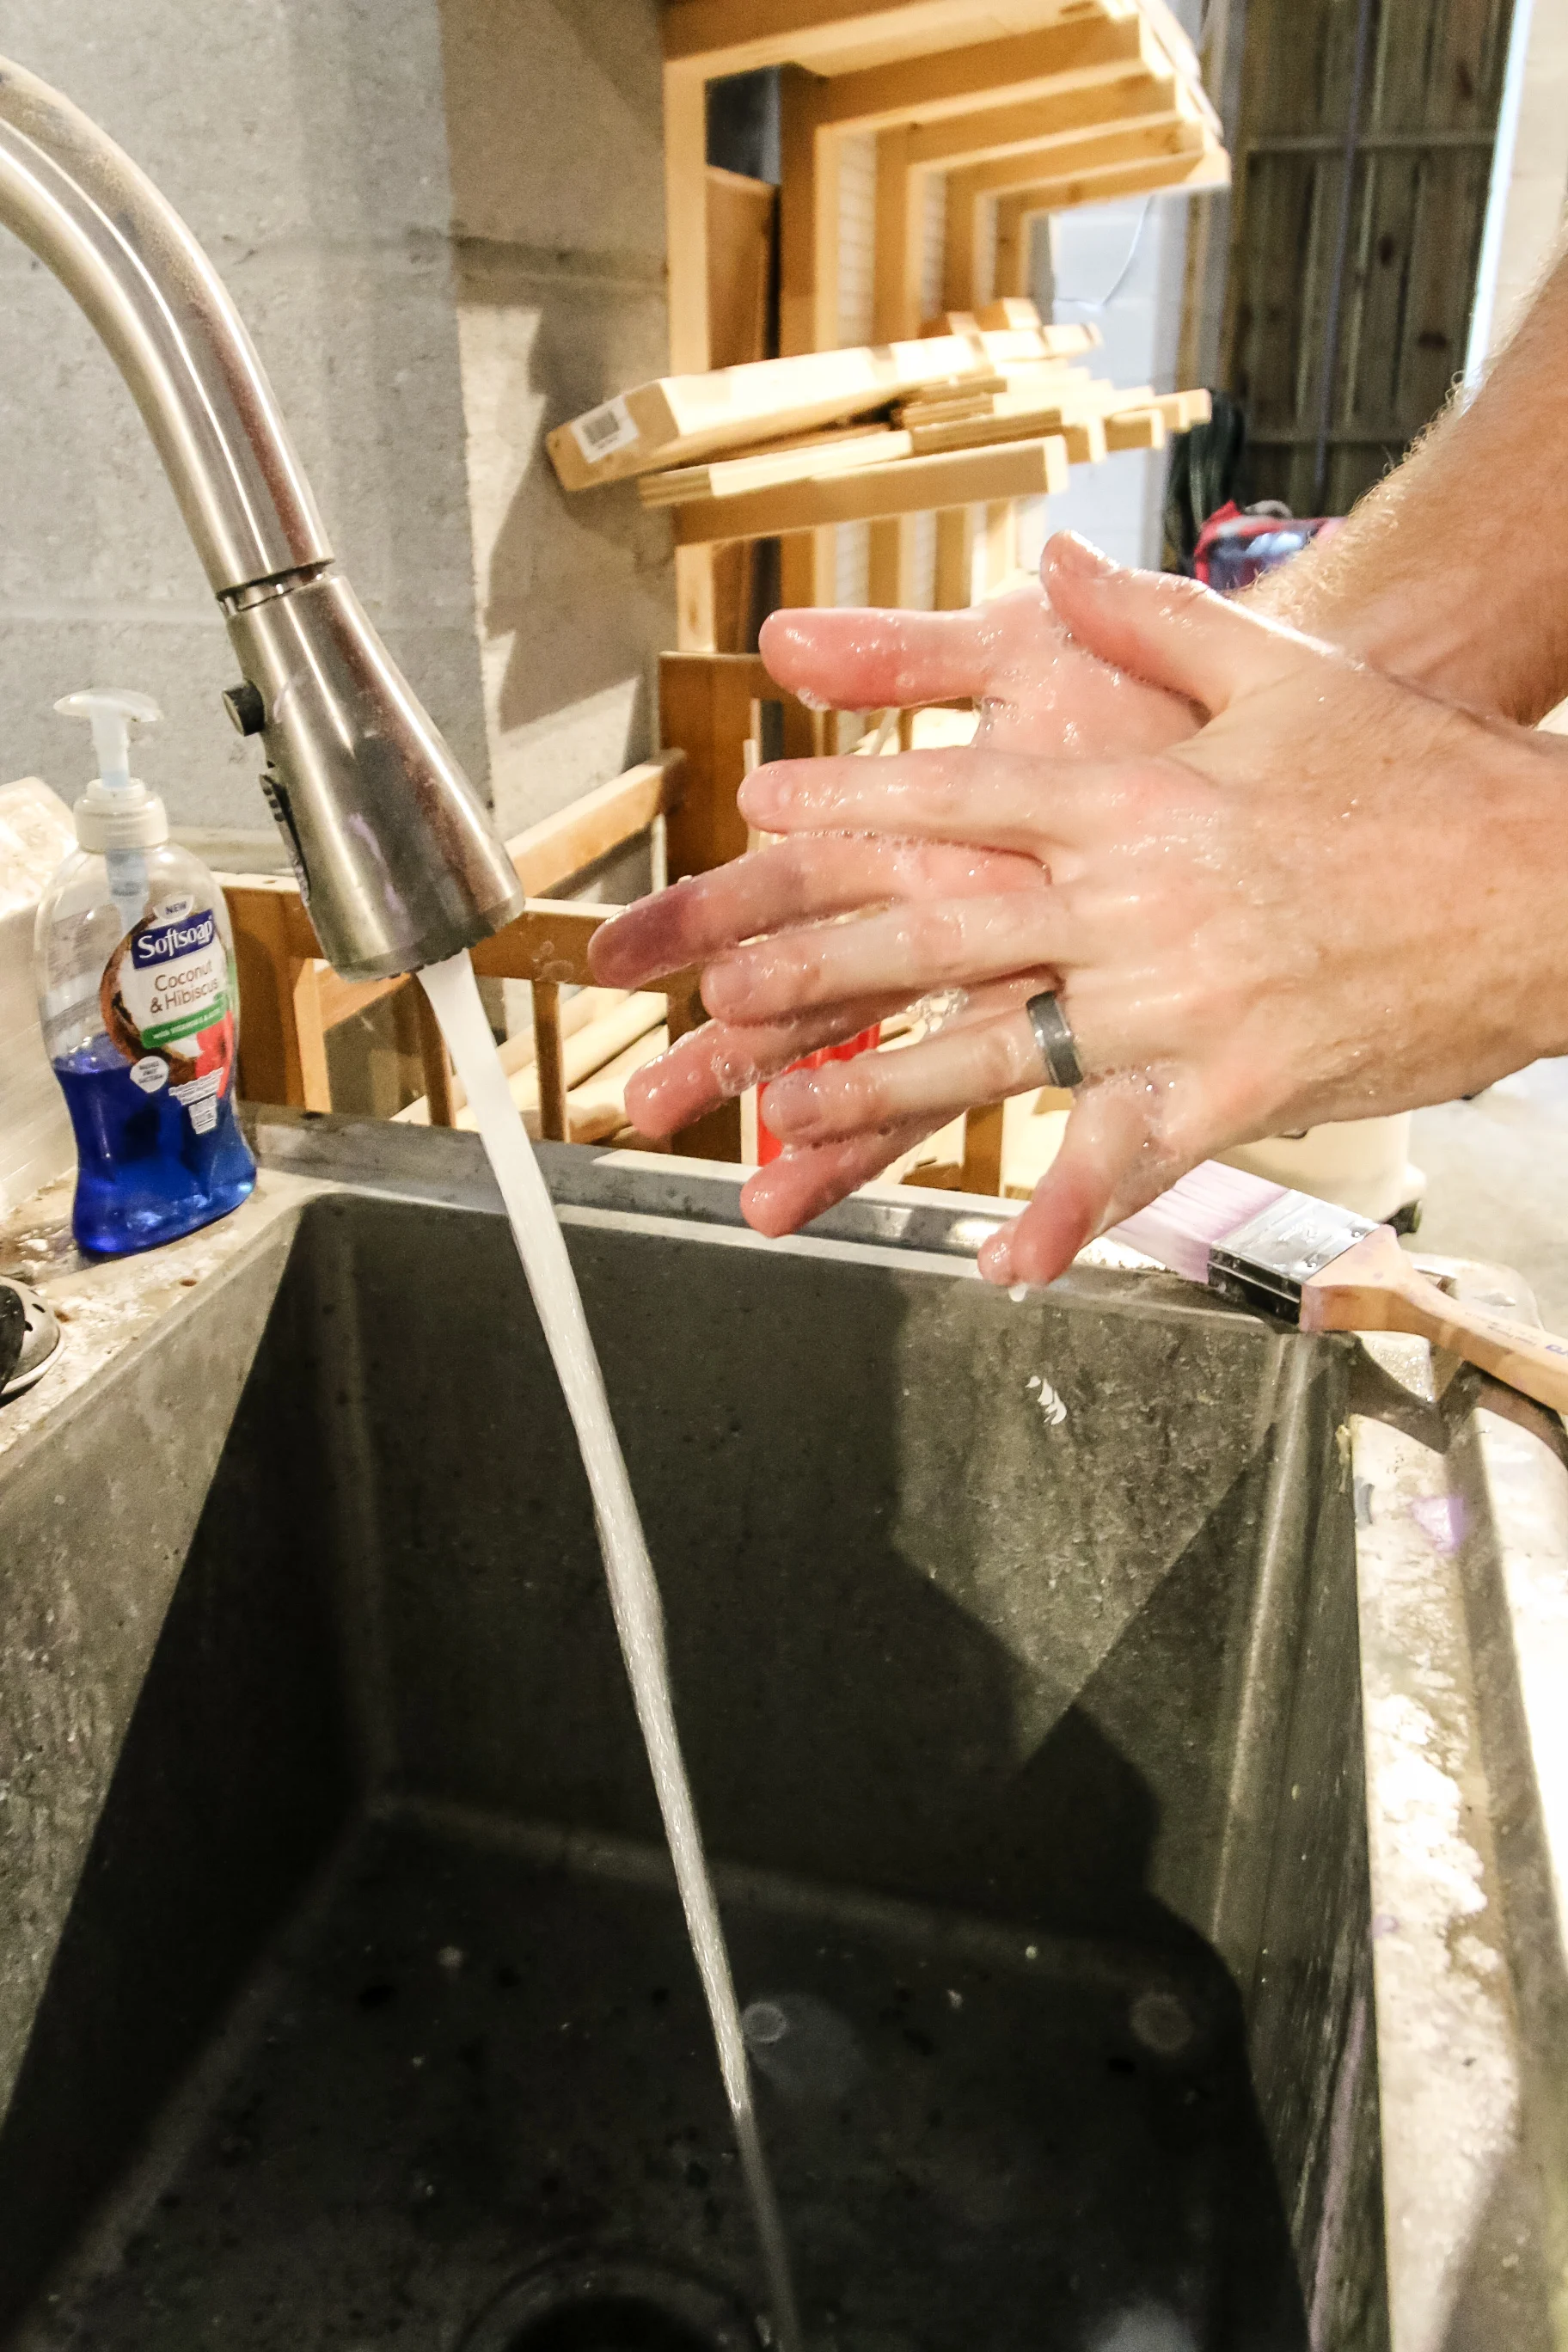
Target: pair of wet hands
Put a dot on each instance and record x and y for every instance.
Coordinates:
(1192, 824)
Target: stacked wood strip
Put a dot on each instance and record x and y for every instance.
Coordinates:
(997, 412)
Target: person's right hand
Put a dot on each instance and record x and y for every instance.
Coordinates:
(1036, 692)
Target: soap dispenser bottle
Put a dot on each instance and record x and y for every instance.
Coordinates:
(139, 1007)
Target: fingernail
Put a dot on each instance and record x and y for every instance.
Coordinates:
(1067, 551)
(787, 1105)
(722, 988)
(995, 1259)
(771, 791)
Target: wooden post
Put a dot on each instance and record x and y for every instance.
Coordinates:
(435, 1062)
(706, 709)
(901, 239)
(961, 244)
(685, 227)
(272, 941)
(808, 292)
(548, 1060)
(808, 217)
(954, 558)
(808, 566)
(1013, 273)
(981, 1168)
(310, 1031)
(686, 214)
(1001, 544)
(743, 247)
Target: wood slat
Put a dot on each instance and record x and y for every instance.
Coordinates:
(440, 1093)
(1018, 470)
(548, 941)
(681, 419)
(550, 1061)
(588, 829)
(1090, 156)
(1138, 101)
(1161, 174)
(1048, 63)
(1083, 434)
(342, 999)
(1136, 428)
(704, 38)
(726, 476)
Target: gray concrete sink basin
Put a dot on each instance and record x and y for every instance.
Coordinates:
(1124, 1731)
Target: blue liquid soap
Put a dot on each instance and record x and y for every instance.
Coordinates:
(138, 1005)
(143, 1175)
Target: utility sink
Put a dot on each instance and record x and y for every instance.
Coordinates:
(1140, 1874)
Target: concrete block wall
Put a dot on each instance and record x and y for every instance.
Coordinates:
(425, 311)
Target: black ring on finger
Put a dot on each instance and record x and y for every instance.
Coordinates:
(1053, 1035)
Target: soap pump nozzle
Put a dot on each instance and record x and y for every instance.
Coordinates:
(117, 811)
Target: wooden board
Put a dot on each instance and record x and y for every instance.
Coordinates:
(1021, 311)
(577, 836)
(1084, 434)
(1051, 63)
(1100, 184)
(705, 710)
(1135, 428)
(708, 37)
(1136, 102)
(677, 419)
(1076, 157)
(1168, 173)
(742, 217)
(1021, 470)
(727, 476)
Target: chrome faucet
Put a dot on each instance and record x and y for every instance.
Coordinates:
(396, 858)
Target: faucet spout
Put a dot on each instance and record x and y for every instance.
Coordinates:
(397, 857)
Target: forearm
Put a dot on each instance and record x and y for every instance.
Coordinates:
(1453, 573)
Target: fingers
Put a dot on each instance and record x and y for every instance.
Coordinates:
(720, 1060)
(1105, 1143)
(798, 880)
(869, 660)
(998, 799)
(904, 953)
(791, 1189)
(976, 1058)
(1170, 632)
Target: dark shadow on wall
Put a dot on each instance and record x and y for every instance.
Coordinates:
(554, 128)
(582, 583)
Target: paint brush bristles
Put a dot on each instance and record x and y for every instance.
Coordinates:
(1324, 1268)
(1184, 1225)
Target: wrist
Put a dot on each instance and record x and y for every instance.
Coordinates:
(1450, 632)
(1529, 861)
(1434, 650)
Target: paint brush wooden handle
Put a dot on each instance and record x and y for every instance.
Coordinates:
(1374, 1288)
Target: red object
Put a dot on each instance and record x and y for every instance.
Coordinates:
(768, 1144)
(1238, 546)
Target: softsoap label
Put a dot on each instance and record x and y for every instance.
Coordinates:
(168, 1003)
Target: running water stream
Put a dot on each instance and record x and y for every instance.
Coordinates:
(634, 1591)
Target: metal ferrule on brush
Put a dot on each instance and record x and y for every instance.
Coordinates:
(1265, 1262)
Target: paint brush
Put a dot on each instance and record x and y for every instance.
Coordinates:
(1324, 1269)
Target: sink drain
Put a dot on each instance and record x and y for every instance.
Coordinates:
(610, 2304)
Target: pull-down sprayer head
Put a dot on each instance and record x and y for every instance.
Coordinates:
(397, 857)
